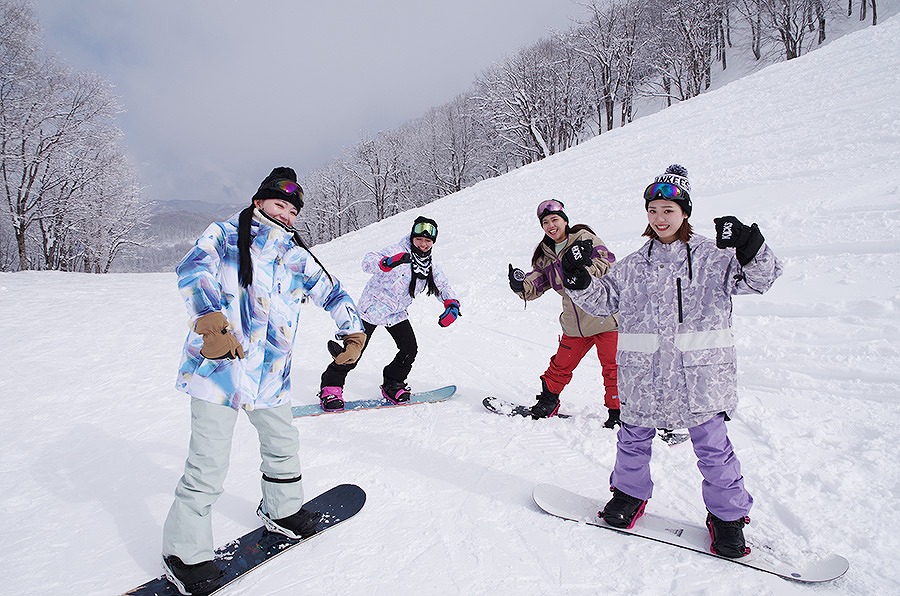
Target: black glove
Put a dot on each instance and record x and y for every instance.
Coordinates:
(388, 263)
(579, 254)
(746, 240)
(574, 265)
(334, 348)
(516, 280)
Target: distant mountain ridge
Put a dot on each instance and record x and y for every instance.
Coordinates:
(172, 226)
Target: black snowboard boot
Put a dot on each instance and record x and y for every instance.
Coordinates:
(296, 526)
(613, 419)
(395, 391)
(195, 580)
(622, 510)
(728, 536)
(547, 403)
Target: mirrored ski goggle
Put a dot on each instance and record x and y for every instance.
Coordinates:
(286, 187)
(426, 229)
(549, 206)
(665, 190)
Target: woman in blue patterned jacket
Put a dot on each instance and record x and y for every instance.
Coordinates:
(243, 283)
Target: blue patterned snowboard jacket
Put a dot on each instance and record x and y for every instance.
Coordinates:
(263, 317)
(676, 356)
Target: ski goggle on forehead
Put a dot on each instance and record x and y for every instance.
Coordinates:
(549, 206)
(427, 229)
(665, 190)
(288, 187)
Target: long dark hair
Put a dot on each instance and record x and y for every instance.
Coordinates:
(547, 240)
(245, 267)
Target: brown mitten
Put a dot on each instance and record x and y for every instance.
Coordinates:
(353, 345)
(218, 341)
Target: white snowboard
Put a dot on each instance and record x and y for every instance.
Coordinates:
(568, 505)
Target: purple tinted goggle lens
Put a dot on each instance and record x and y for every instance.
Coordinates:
(664, 190)
(288, 187)
(549, 207)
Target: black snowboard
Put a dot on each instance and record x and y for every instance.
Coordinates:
(507, 408)
(259, 546)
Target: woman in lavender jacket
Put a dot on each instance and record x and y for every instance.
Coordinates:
(676, 356)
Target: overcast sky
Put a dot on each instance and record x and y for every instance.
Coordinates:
(217, 92)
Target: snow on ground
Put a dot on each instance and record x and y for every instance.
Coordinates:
(94, 435)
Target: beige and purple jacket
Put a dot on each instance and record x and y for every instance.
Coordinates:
(547, 275)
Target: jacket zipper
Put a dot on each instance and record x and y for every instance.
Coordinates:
(680, 311)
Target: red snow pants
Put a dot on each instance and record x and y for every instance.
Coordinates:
(570, 352)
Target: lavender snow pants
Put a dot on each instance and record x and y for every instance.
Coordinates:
(723, 485)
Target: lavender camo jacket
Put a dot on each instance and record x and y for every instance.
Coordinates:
(547, 275)
(264, 317)
(676, 356)
(385, 298)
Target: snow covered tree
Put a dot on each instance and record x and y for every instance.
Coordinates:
(686, 40)
(537, 101)
(611, 43)
(334, 203)
(752, 13)
(56, 139)
(378, 164)
(449, 149)
(791, 21)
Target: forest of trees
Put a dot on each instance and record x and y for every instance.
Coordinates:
(558, 92)
(71, 200)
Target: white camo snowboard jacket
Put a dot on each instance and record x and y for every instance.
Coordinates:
(676, 355)
(385, 298)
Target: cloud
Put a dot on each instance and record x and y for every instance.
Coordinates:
(224, 90)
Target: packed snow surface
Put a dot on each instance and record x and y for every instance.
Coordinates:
(94, 434)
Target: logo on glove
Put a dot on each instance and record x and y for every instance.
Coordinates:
(726, 230)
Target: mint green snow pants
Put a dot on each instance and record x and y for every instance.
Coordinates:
(187, 532)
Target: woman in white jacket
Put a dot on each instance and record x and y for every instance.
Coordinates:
(400, 272)
(676, 358)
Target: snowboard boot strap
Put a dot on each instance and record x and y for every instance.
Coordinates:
(331, 398)
(395, 392)
(283, 480)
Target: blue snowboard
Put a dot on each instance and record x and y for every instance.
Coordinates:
(425, 397)
(260, 546)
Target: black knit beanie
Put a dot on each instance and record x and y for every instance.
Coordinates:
(281, 184)
(677, 176)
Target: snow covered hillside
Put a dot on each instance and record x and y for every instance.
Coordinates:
(94, 435)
